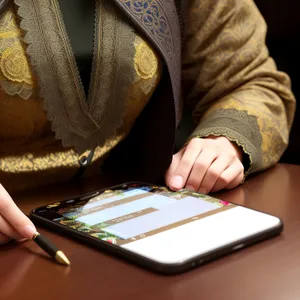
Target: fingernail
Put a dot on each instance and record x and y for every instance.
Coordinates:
(191, 188)
(177, 182)
(203, 191)
(29, 231)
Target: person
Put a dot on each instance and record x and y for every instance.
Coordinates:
(94, 87)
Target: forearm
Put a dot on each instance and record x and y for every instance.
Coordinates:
(233, 85)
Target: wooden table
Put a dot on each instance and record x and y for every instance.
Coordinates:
(270, 270)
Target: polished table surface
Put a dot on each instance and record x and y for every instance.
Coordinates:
(269, 270)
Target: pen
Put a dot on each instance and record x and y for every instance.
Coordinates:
(50, 248)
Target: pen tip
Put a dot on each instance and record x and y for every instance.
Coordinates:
(61, 258)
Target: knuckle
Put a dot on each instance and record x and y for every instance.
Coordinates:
(240, 167)
(199, 164)
(195, 142)
(185, 162)
(216, 143)
(177, 155)
(175, 158)
(214, 173)
(214, 152)
(224, 180)
(232, 156)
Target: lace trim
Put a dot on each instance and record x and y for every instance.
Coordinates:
(238, 127)
(77, 121)
(114, 72)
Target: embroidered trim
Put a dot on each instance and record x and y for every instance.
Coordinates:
(83, 123)
(238, 127)
(159, 20)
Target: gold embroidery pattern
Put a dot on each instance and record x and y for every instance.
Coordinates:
(145, 62)
(15, 76)
(148, 69)
(14, 66)
(34, 166)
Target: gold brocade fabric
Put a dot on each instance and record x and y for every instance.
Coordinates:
(230, 83)
(29, 153)
(243, 96)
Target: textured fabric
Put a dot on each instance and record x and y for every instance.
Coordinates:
(29, 152)
(158, 19)
(80, 121)
(231, 82)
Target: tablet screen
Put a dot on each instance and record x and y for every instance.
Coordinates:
(158, 224)
(135, 212)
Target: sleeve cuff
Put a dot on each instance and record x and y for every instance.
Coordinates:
(239, 128)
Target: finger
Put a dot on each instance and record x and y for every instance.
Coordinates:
(8, 230)
(201, 165)
(186, 164)
(236, 182)
(230, 178)
(174, 165)
(4, 239)
(214, 171)
(14, 216)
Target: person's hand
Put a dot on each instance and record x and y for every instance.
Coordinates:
(14, 225)
(206, 165)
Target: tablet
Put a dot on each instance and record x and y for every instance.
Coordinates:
(155, 227)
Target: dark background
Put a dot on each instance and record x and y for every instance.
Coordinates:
(283, 40)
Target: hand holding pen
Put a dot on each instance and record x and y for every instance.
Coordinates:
(14, 225)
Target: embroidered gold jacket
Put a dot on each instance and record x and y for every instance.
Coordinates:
(228, 81)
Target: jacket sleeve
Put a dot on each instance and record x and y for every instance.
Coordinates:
(232, 84)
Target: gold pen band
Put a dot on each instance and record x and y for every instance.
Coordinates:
(35, 235)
